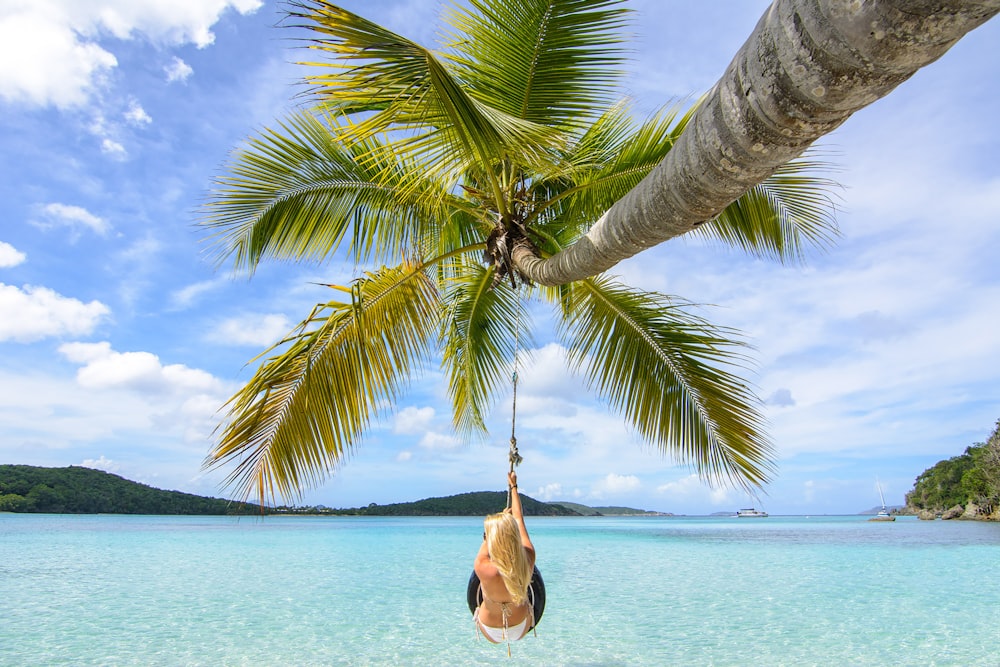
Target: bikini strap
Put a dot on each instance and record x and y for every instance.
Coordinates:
(504, 613)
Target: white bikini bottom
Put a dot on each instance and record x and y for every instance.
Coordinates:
(497, 635)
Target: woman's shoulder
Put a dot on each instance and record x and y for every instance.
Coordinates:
(485, 569)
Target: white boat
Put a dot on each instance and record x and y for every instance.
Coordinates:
(751, 513)
(883, 514)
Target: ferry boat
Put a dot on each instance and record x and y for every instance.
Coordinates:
(751, 513)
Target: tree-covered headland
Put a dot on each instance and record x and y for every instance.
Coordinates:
(77, 490)
(965, 486)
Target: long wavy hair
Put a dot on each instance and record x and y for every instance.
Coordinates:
(503, 540)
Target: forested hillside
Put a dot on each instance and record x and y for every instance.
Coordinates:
(77, 490)
(965, 486)
(479, 503)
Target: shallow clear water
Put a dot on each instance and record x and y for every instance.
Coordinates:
(128, 590)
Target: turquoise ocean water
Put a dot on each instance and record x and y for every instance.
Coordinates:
(141, 590)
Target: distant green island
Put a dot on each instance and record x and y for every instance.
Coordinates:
(78, 490)
(478, 503)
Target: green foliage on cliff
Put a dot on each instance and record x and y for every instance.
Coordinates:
(972, 477)
(76, 490)
(479, 503)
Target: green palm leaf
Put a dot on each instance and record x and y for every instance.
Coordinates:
(307, 406)
(546, 61)
(301, 192)
(479, 344)
(780, 217)
(396, 84)
(665, 371)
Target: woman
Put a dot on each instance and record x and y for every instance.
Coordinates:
(504, 566)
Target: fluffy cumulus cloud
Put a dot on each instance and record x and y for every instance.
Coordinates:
(10, 256)
(135, 391)
(104, 368)
(32, 313)
(51, 52)
(124, 412)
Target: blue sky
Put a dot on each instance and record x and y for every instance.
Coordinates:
(120, 340)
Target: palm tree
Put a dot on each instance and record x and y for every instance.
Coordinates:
(421, 164)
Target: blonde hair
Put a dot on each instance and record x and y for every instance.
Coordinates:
(503, 540)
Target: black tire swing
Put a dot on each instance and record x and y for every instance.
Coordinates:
(536, 594)
(536, 589)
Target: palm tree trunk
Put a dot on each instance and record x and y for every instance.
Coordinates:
(807, 66)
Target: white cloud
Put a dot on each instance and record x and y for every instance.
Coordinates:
(113, 149)
(439, 441)
(161, 398)
(34, 313)
(43, 62)
(178, 70)
(73, 217)
(102, 463)
(615, 484)
(404, 456)
(411, 420)
(104, 368)
(127, 410)
(108, 132)
(691, 488)
(136, 115)
(188, 295)
(50, 53)
(545, 372)
(251, 330)
(548, 492)
(10, 256)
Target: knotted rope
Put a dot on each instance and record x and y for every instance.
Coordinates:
(513, 455)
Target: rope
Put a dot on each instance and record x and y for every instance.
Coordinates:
(514, 456)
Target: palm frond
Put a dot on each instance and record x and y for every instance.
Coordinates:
(546, 61)
(607, 161)
(396, 84)
(666, 372)
(307, 405)
(300, 192)
(779, 218)
(479, 335)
